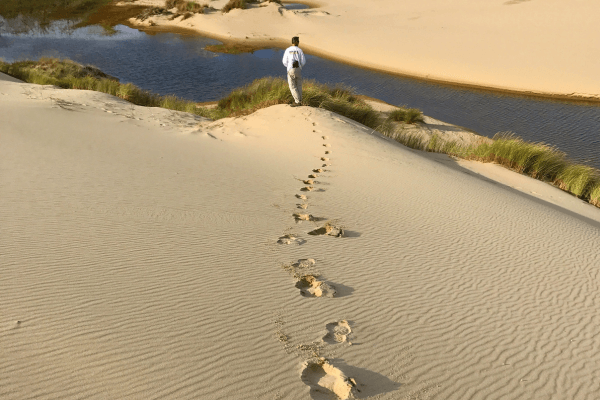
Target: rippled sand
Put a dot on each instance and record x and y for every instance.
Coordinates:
(147, 253)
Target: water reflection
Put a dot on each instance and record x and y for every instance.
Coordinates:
(169, 63)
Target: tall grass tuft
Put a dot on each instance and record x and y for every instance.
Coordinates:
(184, 6)
(269, 91)
(234, 4)
(409, 116)
(577, 179)
(68, 74)
(595, 194)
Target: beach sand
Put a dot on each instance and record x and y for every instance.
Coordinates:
(546, 48)
(152, 254)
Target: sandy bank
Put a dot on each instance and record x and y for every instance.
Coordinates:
(543, 48)
(148, 253)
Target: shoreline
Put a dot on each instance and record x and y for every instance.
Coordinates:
(249, 44)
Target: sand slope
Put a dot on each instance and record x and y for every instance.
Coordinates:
(546, 47)
(139, 260)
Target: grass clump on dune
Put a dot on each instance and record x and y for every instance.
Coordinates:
(595, 194)
(241, 4)
(269, 91)
(184, 6)
(537, 160)
(409, 116)
(68, 74)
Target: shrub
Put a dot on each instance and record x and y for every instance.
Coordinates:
(234, 4)
(409, 116)
(577, 179)
(184, 6)
(595, 194)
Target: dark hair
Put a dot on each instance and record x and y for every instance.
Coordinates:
(295, 40)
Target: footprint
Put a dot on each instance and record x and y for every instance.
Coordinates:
(327, 152)
(326, 145)
(307, 217)
(286, 239)
(304, 263)
(328, 229)
(302, 206)
(301, 196)
(307, 189)
(325, 137)
(289, 239)
(317, 170)
(327, 381)
(337, 332)
(313, 175)
(303, 217)
(324, 159)
(310, 286)
(325, 165)
(308, 182)
(307, 279)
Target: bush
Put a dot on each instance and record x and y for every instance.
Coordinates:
(234, 4)
(409, 116)
(184, 6)
(595, 194)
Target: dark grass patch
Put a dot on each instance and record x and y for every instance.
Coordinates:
(241, 4)
(409, 116)
(230, 49)
(184, 6)
(68, 74)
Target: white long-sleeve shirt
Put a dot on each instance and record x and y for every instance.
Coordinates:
(291, 54)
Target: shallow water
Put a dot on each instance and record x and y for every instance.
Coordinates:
(168, 63)
(295, 6)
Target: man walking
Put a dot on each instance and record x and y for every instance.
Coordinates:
(293, 59)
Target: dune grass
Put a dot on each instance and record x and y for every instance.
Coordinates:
(537, 160)
(68, 74)
(409, 116)
(184, 6)
(241, 4)
(269, 91)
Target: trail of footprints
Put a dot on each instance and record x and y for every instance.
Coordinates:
(325, 380)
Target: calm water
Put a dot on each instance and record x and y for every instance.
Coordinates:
(295, 6)
(173, 64)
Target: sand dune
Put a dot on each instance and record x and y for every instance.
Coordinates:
(139, 259)
(542, 47)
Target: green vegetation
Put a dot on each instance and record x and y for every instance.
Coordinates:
(184, 6)
(227, 49)
(537, 160)
(68, 74)
(242, 4)
(266, 92)
(409, 116)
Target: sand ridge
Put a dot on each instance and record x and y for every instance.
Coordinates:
(140, 259)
